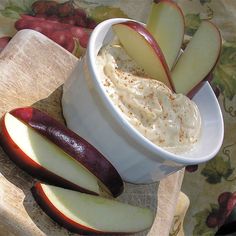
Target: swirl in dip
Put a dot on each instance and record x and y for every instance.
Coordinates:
(171, 121)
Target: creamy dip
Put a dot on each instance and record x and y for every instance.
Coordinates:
(171, 121)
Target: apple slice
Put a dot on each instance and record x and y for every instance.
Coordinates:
(42, 159)
(47, 150)
(72, 144)
(166, 24)
(198, 59)
(143, 48)
(87, 214)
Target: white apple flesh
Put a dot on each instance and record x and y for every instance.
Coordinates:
(143, 48)
(166, 24)
(87, 214)
(45, 160)
(198, 58)
(40, 152)
(75, 146)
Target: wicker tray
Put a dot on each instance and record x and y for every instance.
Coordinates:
(33, 69)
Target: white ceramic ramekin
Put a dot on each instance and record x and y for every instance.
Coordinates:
(90, 113)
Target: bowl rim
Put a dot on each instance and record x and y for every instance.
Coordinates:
(125, 125)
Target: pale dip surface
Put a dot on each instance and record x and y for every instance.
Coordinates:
(171, 121)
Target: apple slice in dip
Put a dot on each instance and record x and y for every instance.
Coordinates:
(171, 121)
(143, 48)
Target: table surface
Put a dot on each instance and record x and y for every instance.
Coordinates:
(206, 184)
(33, 70)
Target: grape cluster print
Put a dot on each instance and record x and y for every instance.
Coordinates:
(212, 218)
(62, 12)
(66, 23)
(217, 216)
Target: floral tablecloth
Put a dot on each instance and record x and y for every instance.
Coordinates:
(211, 187)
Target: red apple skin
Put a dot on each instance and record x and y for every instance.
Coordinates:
(174, 4)
(32, 167)
(73, 145)
(171, 3)
(153, 43)
(193, 91)
(48, 207)
(209, 76)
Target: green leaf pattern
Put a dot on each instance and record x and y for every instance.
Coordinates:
(101, 13)
(201, 227)
(219, 174)
(12, 12)
(225, 71)
(215, 175)
(216, 169)
(204, 1)
(13, 9)
(192, 22)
